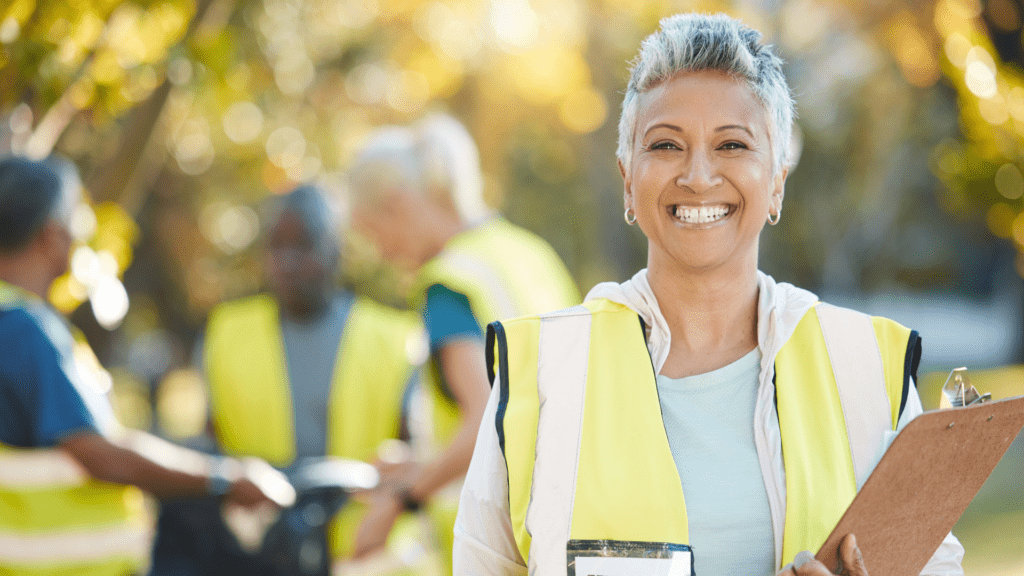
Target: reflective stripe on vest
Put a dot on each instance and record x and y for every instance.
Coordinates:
(39, 469)
(574, 411)
(110, 546)
(251, 396)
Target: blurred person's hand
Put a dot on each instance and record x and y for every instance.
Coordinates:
(852, 562)
(259, 484)
(169, 471)
(394, 475)
(376, 525)
(395, 468)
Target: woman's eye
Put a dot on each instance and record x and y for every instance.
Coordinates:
(733, 145)
(664, 145)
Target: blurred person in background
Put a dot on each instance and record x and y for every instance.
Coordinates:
(68, 471)
(418, 194)
(701, 376)
(310, 370)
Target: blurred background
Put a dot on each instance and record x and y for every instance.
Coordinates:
(183, 115)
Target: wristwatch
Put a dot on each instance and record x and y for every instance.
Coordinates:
(219, 483)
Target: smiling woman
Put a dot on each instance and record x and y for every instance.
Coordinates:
(701, 177)
(767, 408)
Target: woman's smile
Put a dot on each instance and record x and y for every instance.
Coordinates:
(700, 216)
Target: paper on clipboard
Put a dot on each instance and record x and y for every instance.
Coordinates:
(923, 484)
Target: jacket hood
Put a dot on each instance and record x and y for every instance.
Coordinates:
(780, 307)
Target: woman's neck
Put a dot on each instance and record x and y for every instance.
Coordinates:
(439, 229)
(711, 315)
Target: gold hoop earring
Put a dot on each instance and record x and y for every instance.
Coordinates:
(626, 216)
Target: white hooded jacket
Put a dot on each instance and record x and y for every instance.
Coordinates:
(484, 544)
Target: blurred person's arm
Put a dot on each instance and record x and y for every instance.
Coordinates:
(457, 344)
(462, 365)
(169, 471)
(72, 414)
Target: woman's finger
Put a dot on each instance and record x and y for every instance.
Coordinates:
(804, 564)
(853, 560)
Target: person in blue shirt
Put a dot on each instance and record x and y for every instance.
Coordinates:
(61, 448)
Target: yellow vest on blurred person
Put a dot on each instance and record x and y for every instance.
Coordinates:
(54, 518)
(599, 438)
(251, 398)
(504, 271)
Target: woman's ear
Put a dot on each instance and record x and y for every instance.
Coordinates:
(627, 189)
(779, 188)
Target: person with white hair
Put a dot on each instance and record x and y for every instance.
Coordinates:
(700, 376)
(417, 192)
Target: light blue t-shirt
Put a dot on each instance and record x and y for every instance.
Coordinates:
(709, 419)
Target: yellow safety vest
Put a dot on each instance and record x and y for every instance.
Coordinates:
(251, 397)
(596, 446)
(54, 518)
(504, 271)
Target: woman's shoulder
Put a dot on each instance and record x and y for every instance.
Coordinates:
(588, 308)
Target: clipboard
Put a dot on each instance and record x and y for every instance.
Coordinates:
(923, 484)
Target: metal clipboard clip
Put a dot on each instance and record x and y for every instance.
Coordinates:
(958, 392)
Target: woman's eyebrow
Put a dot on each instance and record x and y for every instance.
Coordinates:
(672, 127)
(734, 127)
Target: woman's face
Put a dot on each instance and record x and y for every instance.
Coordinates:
(396, 223)
(701, 178)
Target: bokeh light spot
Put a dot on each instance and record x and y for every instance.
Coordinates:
(10, 29)
(366, 83)
(994, 110)
(229, 227)
(181, 404)
(1010, 181)
(109, 302)
(83, 222)
(1018, 228)
(980, 79)
(1015, 103)
(286, 146)
(515, 24)
(1000, 219)
(956, 47)
(243, 122)
(408, 91)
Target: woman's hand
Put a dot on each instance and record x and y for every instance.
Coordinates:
(852, 562)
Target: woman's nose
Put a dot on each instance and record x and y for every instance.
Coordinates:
(699, 173)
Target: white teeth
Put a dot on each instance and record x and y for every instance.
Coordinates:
(702, 215)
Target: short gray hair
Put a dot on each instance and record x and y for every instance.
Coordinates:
(388, 159)
(436, 157)
(703, 42)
